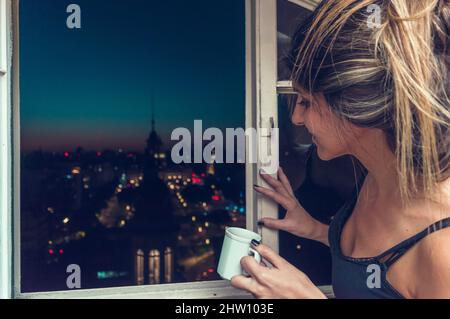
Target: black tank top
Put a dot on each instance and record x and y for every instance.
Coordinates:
(355, 278)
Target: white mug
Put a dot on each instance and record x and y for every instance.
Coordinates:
(236, 245)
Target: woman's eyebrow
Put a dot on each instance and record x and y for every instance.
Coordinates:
(303, 98)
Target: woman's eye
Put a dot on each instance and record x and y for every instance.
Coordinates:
(305, 104)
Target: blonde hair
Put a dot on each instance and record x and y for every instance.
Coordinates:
(394, 77)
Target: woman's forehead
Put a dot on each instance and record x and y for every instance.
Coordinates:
(303, 92)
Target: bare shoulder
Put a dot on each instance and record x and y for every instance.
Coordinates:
(432, 265)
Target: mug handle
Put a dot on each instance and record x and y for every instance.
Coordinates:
(252, 252)
(255, 254)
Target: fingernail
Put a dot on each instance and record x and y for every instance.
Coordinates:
(260, 223)
(255, 242)
(262, 171)
(255, 186)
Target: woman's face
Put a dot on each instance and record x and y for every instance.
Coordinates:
(332, 135)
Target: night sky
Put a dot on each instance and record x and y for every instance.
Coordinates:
(92, 87)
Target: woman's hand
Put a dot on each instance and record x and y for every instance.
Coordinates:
(282, 281)
(297, 220)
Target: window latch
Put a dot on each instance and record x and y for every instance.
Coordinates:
(268, 132)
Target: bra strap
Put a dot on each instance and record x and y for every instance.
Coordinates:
(400, 249)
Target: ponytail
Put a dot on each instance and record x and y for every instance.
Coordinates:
(414, 42)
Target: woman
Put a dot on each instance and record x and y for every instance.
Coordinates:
(381, 94)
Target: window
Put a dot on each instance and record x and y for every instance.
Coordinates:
(99, 188)
(90, 169)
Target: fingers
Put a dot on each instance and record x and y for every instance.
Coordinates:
(284, 201)
(273, 223)
(285, 181)
(244, 283)
(271, 256)
(276, 184)
(251, 266)
(253, 283)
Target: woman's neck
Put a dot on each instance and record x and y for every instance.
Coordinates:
(374, 153)
(382, 183)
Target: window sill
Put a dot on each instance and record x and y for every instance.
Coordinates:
(220, 289)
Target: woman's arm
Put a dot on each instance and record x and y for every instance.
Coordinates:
(321, 233)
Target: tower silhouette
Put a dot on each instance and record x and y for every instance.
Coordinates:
(154, 142)
(154, 225)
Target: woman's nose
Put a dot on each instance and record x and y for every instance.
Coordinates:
(298, 116)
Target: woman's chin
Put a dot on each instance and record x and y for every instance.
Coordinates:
(323, 154)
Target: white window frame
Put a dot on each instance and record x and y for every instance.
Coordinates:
(6, 258)
(260, 111)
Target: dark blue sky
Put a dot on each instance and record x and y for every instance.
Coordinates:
(93, 87)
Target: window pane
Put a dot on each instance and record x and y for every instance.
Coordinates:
(103, 86)
(289, 17)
